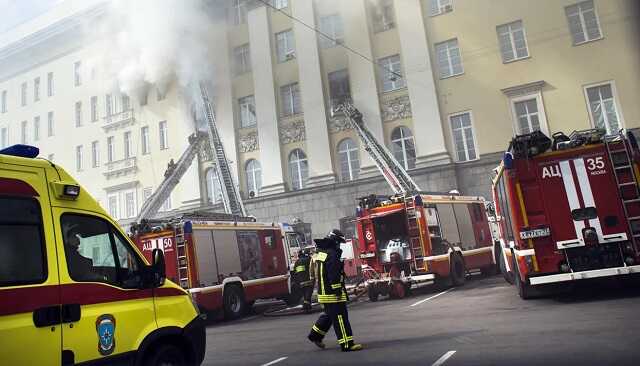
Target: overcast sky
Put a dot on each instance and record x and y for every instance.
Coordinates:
(14, 12)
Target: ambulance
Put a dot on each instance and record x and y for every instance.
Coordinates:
(73, 288)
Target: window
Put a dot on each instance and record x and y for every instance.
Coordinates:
(242, 59)
(130, 204)
(527, 115)
(85, 236)
(164, 138)
(23, 259)
(94, 109)
(4, 137)
(437, 7)
(383, 17)
(285, 46)
(331, 25)
(76, 73)
(146, 193)
(23, 94)
(403, 147)
(161, 94)
(247, 111)
(603, 108)
(126, 102)
(50, 84)
(339, 90)
(127, 145)
(254, 177)
(291, 103)
(349, 161)
(50, 124)
(36, 128)
(238, 12)
(36, 89)
(95, 154)
(298, 169)
(513, 43)
(4, 101)
(583, 22)
(144, 134)
(391, 73)
(79, 164)
(279, 4)
(23, 132)
(166, 206)
(463, 137)
(110, 149)
(214, 189)
(112, 202)
(107, 104)
(449, 60)
(78, 114)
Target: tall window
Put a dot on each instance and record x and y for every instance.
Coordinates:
(23, 132)
(214, 190)
(110, 149)
(583, 22)
(36, 128)
(285, 45)
(112, 202)
(339, 90)
(463, 137)
(4, 101)
(94, 109)
(242, 59)
(298, 169)
(253, 172)
(238, 11)
(513, 43)
(95, 154)
(108, 100)
(603, 109)
(146, 193)
(36, 89)
(279, 4)
(403, 147)
(50, 84)
(78, 114)
(349, 161)
(130, 203)
(331, 25)
(164, 138)
(50, 124)
(391, 73)
(449, 59)
(79, 164)
(291, 103)
(383, 17)
(23, 94)
(527, 115)
(247, 111)
(4, 137)
(437, 7)
(144, 134)
(126, 102)
(127, 145)
(76, 74)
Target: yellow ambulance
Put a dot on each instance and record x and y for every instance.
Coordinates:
(73, 288)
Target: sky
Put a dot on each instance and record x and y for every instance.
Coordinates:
(15, 12)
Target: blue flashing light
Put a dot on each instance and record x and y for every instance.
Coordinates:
(508, 160)
(23, 151)
(188, 227)
(418, 200)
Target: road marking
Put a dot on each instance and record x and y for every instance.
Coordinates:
(444, 358)
(432, 297)
(276, 361)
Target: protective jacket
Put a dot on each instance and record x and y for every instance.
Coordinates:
(330, 275)
(302, 271)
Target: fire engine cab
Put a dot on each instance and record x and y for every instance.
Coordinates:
(568, 209)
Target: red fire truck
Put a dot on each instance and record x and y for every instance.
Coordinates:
(568, 209)
(225, 261)
(406, 241)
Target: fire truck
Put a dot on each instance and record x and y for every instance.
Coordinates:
(413, 238)
(568, 209)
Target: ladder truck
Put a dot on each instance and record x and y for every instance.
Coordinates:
(414, 238)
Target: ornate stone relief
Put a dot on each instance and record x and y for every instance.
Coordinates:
(396, 108)
(292, 132)
(249, 142)
(339, 123)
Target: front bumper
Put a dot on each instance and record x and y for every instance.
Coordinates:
(584, 275)
(195, 333)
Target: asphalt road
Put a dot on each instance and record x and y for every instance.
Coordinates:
(482, 323)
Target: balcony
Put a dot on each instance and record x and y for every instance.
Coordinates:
(118, 120)
(121, 168)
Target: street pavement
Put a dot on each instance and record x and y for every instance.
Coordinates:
(482, 323)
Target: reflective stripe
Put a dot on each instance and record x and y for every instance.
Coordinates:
(572, 194)
(324, 299)
(587, 194)
(301, 268)
(318, 330)
(320, 256)
(321, 289)
(342, 331)
(336, 286)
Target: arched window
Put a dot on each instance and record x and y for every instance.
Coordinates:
(403, 147)
(253, 173)
(298, 169)
(214, 190)
(349, 161)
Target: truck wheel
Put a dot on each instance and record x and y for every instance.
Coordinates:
(525, 290)
(457, 271)
(233, 302)
(166, 355)
(373, 293)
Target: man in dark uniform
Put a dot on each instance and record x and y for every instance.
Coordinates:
(302, 269)
(332, 294)
(80, 267)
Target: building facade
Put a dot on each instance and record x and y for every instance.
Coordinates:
(444, 84)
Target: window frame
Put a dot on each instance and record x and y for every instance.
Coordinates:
(94, 108)
(583, 24)
(242, 56)
(79, 158)
(244, 106)
(473, 131)
(253, 173)
(542, 114)
(24, 126)
(95, 154)
(50, 124)
(440, 7)
(353, 173)
(23, 94)
(298, 163)
(214, 190)
(289, 53)
(36, 89)
(330, 24)
(128, 145)
(453, 74)
(400, 82)
(77, 79)
(512, 42)
(404, 149)
(163, 132)
(3, 102)
(50, 84)
(36, 128)
(616, 101)
(144, 137)
(78, 113)
(292, 97)
(111, 149)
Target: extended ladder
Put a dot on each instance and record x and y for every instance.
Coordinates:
(413, 233)
(182, 258)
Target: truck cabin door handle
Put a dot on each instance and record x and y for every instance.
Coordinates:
(70, 313)
(47, 316)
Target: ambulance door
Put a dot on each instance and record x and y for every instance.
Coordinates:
(108, 309)
(30, 330)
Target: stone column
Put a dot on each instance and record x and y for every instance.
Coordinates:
(313, 101)
(427, 125)
(266, 104)
(362, 74)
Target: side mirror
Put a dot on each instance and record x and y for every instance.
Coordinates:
(159, 269)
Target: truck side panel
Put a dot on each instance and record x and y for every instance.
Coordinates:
(206, 257)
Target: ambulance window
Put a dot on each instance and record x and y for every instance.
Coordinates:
(23, 259)
(129, 273)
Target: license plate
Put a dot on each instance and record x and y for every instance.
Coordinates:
(367, 255)
(536, 233)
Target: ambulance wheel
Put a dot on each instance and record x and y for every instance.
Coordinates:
(233, 302)
(166, 354)
(373, 293)
(457, 271)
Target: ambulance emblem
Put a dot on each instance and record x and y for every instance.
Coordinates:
(106, 328)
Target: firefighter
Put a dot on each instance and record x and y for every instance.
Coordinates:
(332, 293)
(303, 278)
